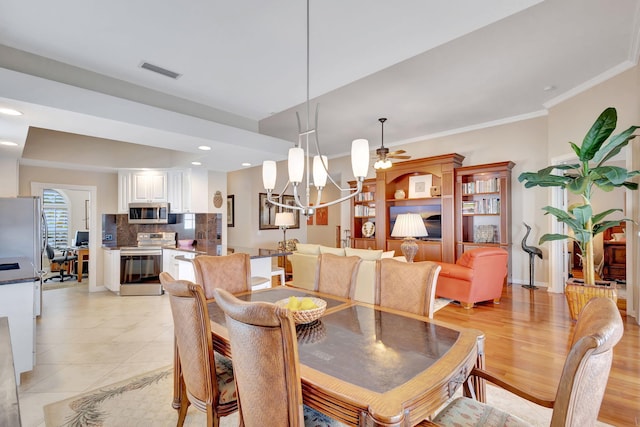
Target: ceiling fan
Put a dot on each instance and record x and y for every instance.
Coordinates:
(383, 154)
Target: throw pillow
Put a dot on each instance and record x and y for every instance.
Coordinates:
(308, 249)
(365, 254)
(334, 251)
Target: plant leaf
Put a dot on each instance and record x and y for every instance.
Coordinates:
(615, 144)
(604, 125)
(550, 237)
(578, 185)
(599, 217)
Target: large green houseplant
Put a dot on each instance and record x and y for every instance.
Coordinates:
(583, 178)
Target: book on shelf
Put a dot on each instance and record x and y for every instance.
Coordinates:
(468, 207)
(491, 185)
(364, 210)
(365, 196)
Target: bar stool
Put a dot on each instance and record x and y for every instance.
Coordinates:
(258, 282)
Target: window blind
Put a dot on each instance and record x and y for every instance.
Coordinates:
(56, 214)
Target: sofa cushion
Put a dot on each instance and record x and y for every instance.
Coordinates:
(388, 254)
(365, 254)
(308, 248)
(333, 251)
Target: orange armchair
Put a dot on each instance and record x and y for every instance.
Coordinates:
(477, 276)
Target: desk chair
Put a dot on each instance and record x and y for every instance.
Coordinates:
(61, 262)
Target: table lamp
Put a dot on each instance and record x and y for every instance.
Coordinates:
(409, 226)
(284, 220)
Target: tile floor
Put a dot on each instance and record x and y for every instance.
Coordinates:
(87, 340)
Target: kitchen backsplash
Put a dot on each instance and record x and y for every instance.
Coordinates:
(204, 228)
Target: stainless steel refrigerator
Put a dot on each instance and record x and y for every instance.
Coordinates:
(23, 234)
(22, 238)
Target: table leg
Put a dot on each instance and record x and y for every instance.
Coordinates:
(478, 384)
(79, 267)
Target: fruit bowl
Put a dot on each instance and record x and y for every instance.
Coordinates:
(305, 316)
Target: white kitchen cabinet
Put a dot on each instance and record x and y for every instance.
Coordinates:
(124, 191)
(149, 186)
(185, 268)
(188, 190)
(18, 304)
(111, 269)
(169, 262)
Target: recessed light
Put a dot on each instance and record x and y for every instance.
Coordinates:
(8, 143)
(204, 148)
(196, 163)
(246, 164)
(10, 112)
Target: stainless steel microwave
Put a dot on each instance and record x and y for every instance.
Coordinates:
(149, 213)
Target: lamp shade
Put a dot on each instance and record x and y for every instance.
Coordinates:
(319, 171)
(360, 157)
(296, 164)
(269, 173)
(285, 219)
(409, 225)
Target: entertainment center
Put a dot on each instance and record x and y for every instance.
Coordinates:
(462, 207)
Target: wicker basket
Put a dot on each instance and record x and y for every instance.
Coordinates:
(578, 294)
(305, 316)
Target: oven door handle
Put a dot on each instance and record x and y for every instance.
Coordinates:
(153, 252)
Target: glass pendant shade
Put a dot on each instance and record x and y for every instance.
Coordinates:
(296, 164)
(360, 157)
(319, 172)
(269, 173)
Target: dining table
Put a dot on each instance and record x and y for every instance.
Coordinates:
(366, 365)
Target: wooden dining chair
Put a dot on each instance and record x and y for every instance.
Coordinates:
(406, 286)
(336, 275)
(582, 382)
(264, 349)
(230, 272)
(206, 377)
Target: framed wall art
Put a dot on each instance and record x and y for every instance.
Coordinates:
(420, 186)
(267, 212)
(231, 210)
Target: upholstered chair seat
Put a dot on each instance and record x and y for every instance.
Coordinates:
(205, 378)
(406, 286)
(582, 382)
(230, 272)
(264, 350)
(336, 275)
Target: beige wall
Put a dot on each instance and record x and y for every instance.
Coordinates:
(8, 176)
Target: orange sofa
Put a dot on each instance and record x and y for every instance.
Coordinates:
(477, 276)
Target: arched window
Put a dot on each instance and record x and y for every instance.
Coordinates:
(56, 212)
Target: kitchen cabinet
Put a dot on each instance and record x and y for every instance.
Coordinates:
(17, 302)
(169, 262)
(111, 265)
(187, 190)
(149, 186)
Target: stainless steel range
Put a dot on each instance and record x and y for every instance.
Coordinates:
(140, 266)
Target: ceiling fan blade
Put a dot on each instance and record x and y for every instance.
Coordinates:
(391, 156)
(393, 153)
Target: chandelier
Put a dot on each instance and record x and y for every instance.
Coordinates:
(299, 162)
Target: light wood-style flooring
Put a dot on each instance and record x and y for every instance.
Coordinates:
(527, 339)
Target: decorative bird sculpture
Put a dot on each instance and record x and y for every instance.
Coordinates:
(533, 252)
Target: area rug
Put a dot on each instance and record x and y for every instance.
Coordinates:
(145, 400)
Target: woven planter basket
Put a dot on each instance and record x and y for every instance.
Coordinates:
(578, 294)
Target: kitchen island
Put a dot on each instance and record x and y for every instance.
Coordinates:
(179, 262)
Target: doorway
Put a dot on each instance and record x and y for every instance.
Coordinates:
(86, 221)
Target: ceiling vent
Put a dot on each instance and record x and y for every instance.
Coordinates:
(160, 70)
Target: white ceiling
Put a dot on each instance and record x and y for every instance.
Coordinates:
(427, 65)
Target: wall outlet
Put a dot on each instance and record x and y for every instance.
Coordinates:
(108, 237)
